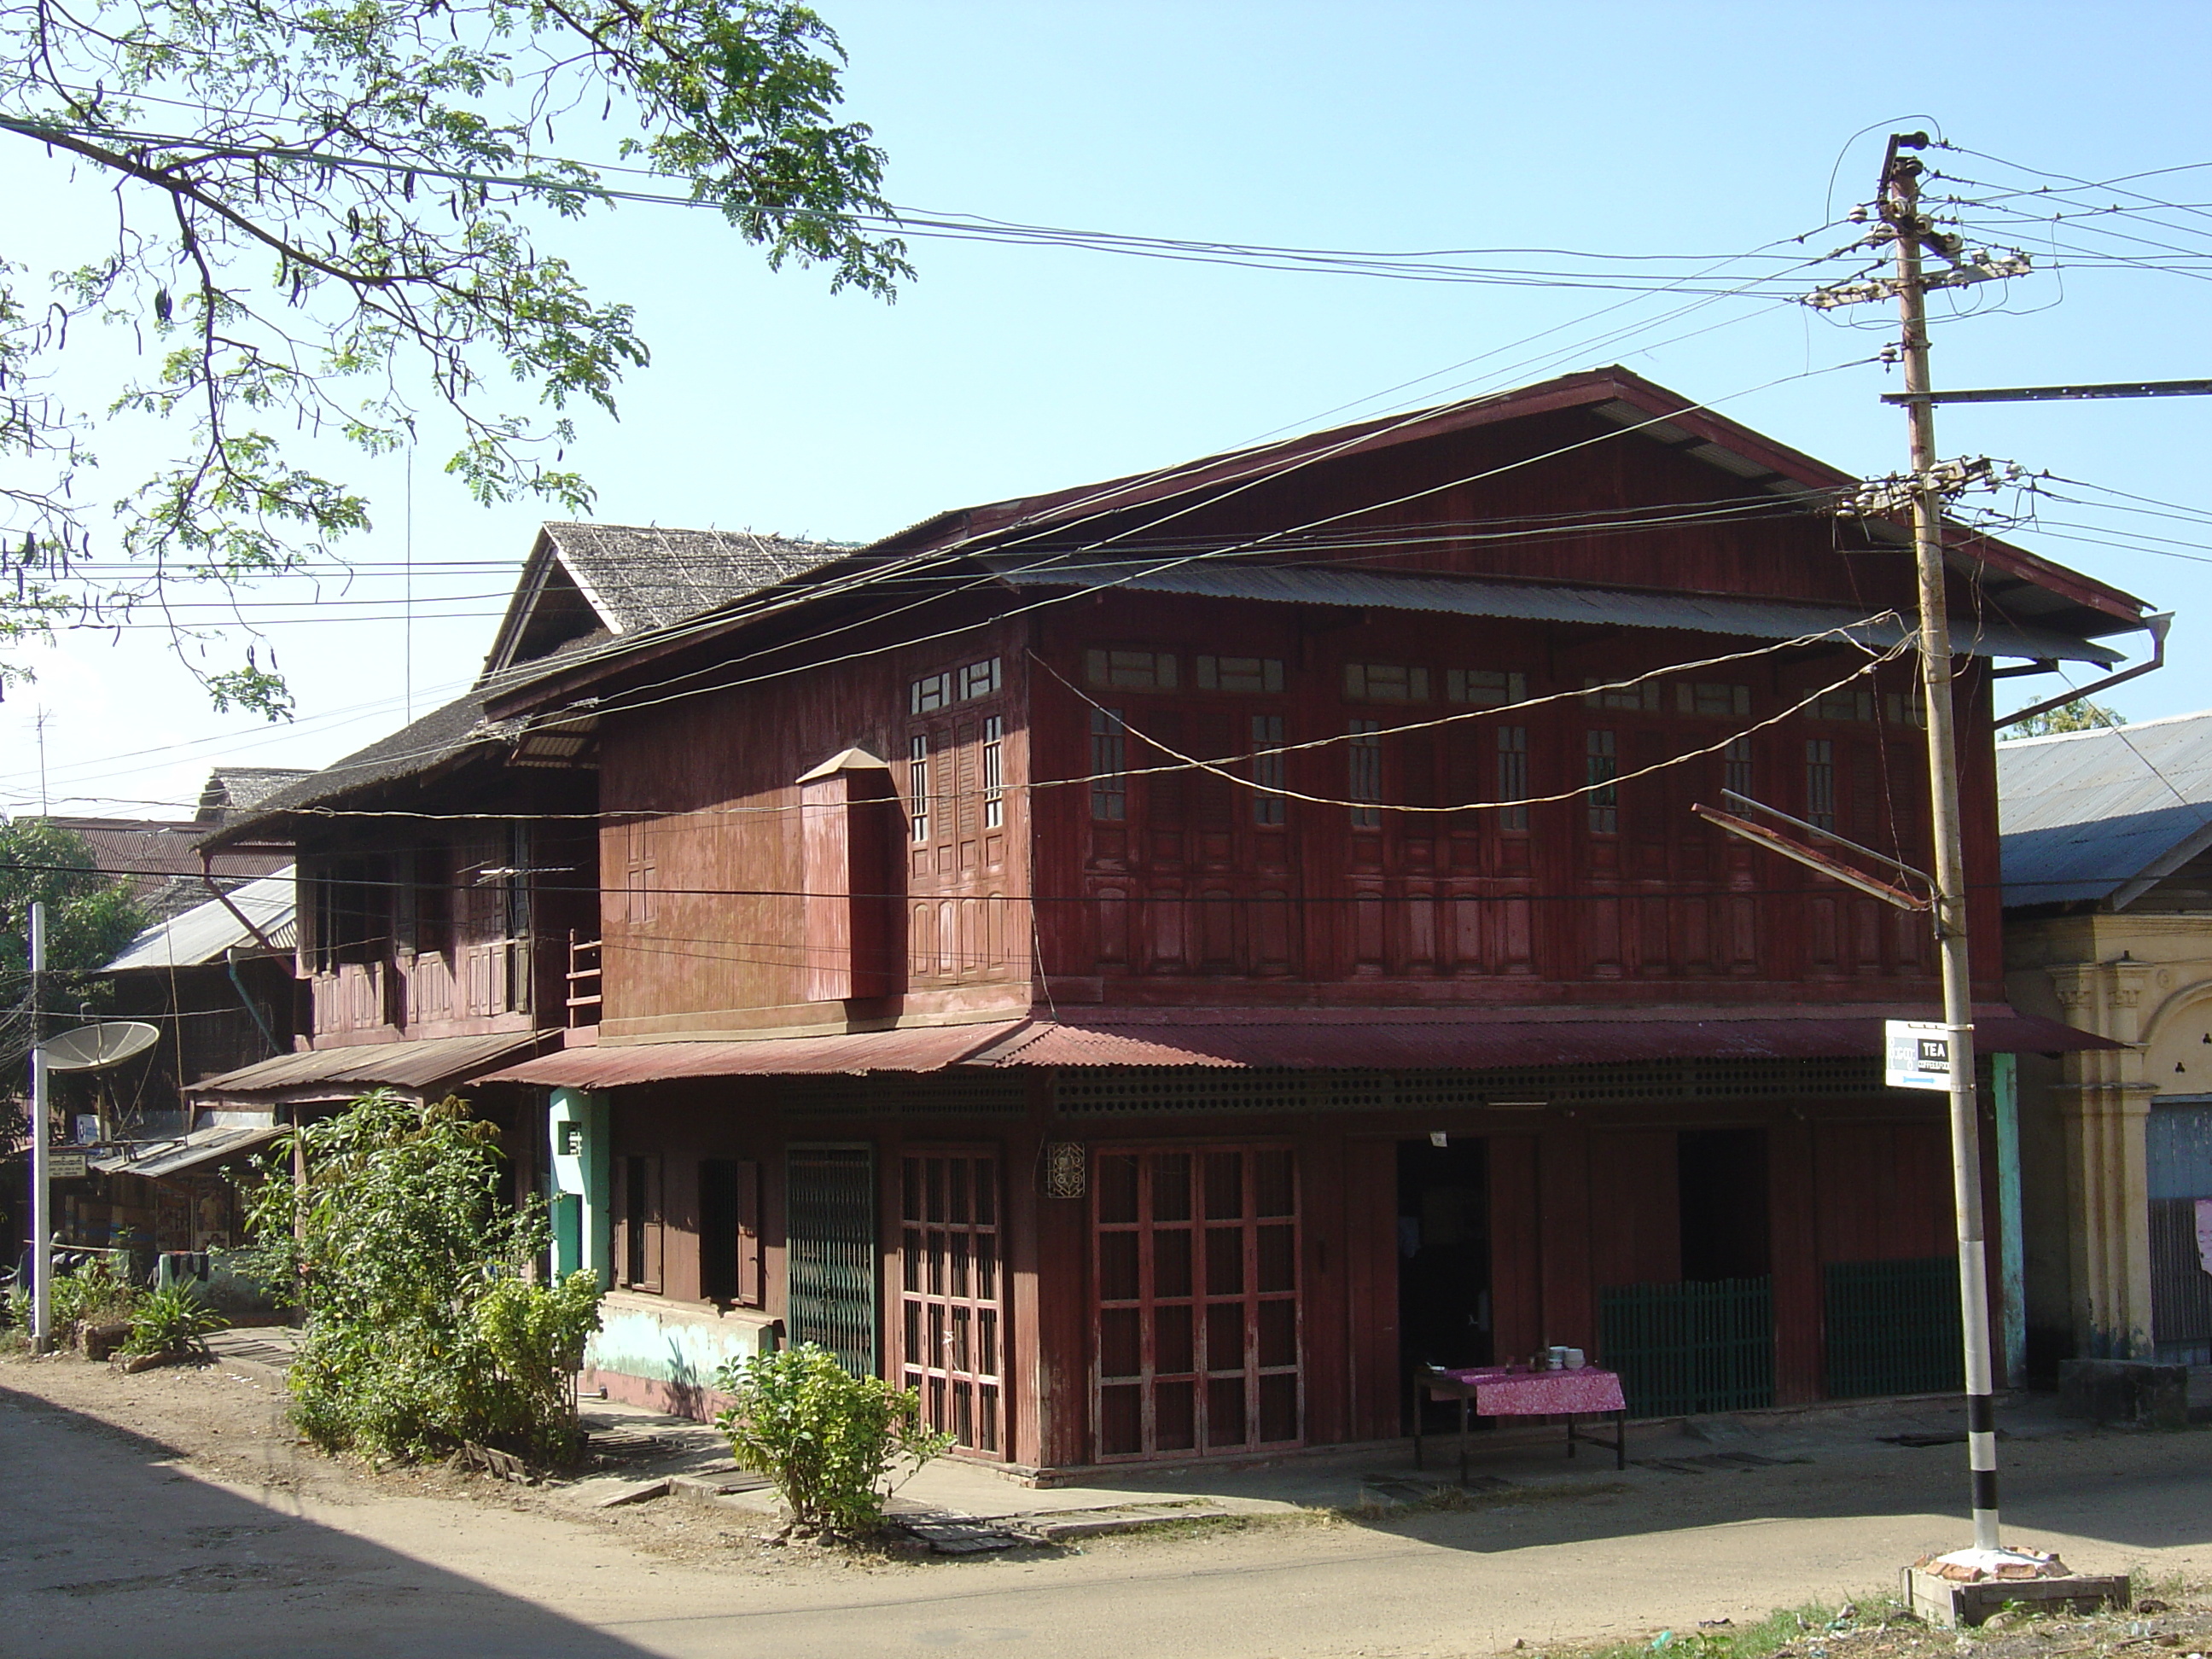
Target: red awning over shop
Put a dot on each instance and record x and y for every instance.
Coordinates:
(1404, 1039)
(1299, 1039)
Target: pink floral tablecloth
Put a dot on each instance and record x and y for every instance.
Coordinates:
(1501, 1393)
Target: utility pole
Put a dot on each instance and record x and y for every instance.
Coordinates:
(39, 723)
(42, 1217)
(1900, 211)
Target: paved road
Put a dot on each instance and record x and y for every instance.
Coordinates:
(113, 1546)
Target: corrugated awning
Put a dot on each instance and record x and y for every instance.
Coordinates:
(194, 1151)
(1418, 1040)
(1696, 613)
(400, 1065)
(206, 932)
(1381, 1039)
(919, 1048)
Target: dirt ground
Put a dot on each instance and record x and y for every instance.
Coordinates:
(179, 1500)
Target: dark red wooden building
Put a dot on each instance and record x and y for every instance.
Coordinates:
(1150, 964)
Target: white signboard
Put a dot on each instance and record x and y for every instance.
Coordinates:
(1916, 1054)
(66, 1166)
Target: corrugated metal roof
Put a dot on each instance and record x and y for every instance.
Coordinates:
(917, 1048)
(2089, 814)
(1403, 1040)
(192, 1152)
(206, 930)
(1391, 1039)
(403, 1064)
(1697, 613)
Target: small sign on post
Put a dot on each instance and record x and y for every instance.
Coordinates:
(67, 1166)
(1916, 1055)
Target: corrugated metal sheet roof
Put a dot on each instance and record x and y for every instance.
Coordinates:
(2087, 814)
(1401, 1040)
(192, 1152)
(206, 930)
(403, 1064)
(1697, 613)
(1390, 1039)
(918, 1049)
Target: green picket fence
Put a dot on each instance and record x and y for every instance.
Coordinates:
(1893, 1327)
(1688, 1349)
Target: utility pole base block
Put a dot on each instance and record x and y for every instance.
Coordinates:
(1970, 1586)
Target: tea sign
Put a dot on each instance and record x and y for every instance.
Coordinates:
(1916, 1054)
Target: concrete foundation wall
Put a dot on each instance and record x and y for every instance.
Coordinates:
(665, 1355)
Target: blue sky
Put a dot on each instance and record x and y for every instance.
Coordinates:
(1629, 129)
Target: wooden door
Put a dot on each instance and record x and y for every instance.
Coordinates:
(952, 1322)
(1196, 1305)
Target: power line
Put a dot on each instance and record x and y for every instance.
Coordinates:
(1487, 711)
(1419, 265)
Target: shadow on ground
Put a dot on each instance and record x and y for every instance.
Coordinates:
(113, 1548)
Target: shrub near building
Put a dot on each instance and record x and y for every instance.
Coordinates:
(422, 1332)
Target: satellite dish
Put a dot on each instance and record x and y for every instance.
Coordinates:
(89, 1048)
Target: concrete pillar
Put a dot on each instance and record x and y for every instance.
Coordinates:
(583, 1182)
(2104, 1105)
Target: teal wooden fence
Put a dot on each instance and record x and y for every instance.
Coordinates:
(1684, 1350)
(1893, 1328)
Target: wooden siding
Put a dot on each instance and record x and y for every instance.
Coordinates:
(415, 942)
(704, 862)
(1167, 883)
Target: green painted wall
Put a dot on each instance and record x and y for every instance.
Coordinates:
(583, 1179)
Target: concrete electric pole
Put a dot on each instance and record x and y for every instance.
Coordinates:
(1900, 211)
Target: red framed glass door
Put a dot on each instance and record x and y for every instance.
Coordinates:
(952, 1324)
(1194, 1259)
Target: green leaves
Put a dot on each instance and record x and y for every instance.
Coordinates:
(338, 219)
(172, 1319)
(421, 1332)
(90, 915)
(830, 1441)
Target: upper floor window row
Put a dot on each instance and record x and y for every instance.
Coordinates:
(934, 691)
(1115, 669)
(1389, 682)
(1130, 671)
(1857, 703)
(1709, 697)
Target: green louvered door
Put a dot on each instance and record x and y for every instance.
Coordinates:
(830, 1232)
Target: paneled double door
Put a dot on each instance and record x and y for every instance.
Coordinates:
(1195, 1305)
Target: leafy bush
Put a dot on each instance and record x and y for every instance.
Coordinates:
(172, 1319)
(827, 1440)
(421, 1331)
(94, 1293)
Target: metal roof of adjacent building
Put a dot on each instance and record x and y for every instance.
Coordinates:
(207, 932)
(159, 861)
(421, 1064)
(194, 1151)
(2102, 815)
(1698, 613)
